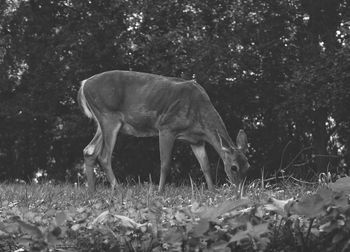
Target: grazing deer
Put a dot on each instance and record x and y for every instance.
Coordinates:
(143, 105)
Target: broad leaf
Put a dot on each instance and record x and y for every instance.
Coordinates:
(341, 185)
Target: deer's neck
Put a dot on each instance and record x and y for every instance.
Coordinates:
(215, 130)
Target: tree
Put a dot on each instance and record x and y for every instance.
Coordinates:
(277, 68)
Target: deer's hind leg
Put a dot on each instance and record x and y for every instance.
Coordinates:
(100, 150)
(91, 152)
(110, 128)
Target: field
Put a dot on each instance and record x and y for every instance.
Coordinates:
(64, 217)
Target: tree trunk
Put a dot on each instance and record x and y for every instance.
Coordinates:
(320, 139)
(322, 26)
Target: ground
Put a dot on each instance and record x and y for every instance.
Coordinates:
(64, 217)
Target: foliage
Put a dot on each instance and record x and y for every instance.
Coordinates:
(129, 221)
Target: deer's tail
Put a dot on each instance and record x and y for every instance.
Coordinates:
(84, 105)
(94, 148)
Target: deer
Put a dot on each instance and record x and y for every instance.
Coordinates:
(150, 105)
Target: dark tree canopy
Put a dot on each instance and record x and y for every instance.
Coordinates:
(279, 69)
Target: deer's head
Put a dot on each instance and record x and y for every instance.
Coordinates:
(234, 158)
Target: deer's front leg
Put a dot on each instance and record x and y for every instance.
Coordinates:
(201, 155)
(166, 143)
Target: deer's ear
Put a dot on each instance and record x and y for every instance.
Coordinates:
(223, 144)
(242, 141)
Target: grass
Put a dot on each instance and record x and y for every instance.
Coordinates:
(61, 196)
(64, 217)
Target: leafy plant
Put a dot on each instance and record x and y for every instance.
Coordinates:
(317, 221)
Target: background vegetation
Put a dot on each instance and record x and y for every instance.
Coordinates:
(280, 69)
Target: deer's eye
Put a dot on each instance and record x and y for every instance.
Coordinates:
(234, 168)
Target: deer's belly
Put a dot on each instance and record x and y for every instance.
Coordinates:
(138, 132)
(139, 125)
